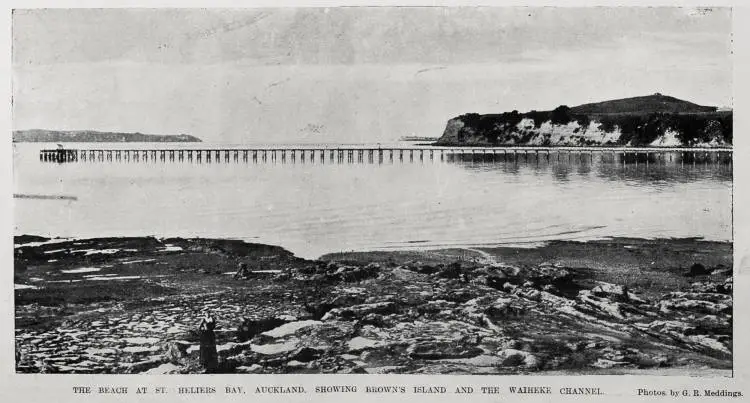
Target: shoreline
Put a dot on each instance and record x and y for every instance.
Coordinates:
(27, 240)
(621, 305)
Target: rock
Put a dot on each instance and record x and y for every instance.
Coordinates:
(692, 305)
(376, 320)
(698, 270)
(483, 360)
(514, 358)
(351, 274)
(712, 324)
(306, 354)
(721, 271)
(140, 349)
(474, 309)
(496, 282)
(728, 285)
(330, 266)
(308, 270)
(372, 268)
(554, 300)
(651, 361)
(290, 328)
(359, 311)
(275, 349)
(359, 343)
(528, 293)
(423, 268)
(175, 351)
(347, 300)
(327, 335)
(606, 364)
(389, 355)
(452, 271)
(688, 333)
(431, 350)
(711, 287)
(550, 275)
(337, 272)
(710, 342)
(435, 306)
(549, 288)
(248, 328)
(252, 369)
(504, 308)
(461, 295)
(294, 364)
(498, 275)
(167, 368)
(274, 361)
(385, 298)
(319, 309)
(142, 366)
(509, 271)
(614, 292)
(352, 370)
(711, 297)
(601, 305)
(670, 326)
(232, 348)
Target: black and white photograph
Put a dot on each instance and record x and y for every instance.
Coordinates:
(373, 190)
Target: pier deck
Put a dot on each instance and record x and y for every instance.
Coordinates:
(371, 155)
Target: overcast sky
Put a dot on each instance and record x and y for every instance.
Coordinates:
(350, 74)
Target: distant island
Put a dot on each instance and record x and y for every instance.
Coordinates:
(654, 120)
(418, 138)
(91, 136)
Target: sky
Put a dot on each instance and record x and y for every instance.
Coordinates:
(350, 74)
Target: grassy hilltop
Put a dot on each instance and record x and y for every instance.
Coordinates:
(652, 120)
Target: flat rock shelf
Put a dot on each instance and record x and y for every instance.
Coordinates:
(132, 305)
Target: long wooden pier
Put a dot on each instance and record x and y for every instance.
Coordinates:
(384, 154)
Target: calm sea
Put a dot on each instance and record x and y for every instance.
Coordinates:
(315, 208)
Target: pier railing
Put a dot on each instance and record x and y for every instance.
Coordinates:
(382, 154)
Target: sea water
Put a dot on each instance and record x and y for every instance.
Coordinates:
(314, 208)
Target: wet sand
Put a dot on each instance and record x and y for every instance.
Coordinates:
(132, 305)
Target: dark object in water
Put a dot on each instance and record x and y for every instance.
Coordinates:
(44, 197)
(698, 270)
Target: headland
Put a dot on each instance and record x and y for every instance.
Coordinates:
(648, 121)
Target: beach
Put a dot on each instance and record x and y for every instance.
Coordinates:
(614, 306)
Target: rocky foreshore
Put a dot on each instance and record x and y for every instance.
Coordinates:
(132, 305)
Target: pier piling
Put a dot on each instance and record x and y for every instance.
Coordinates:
(634, 155)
